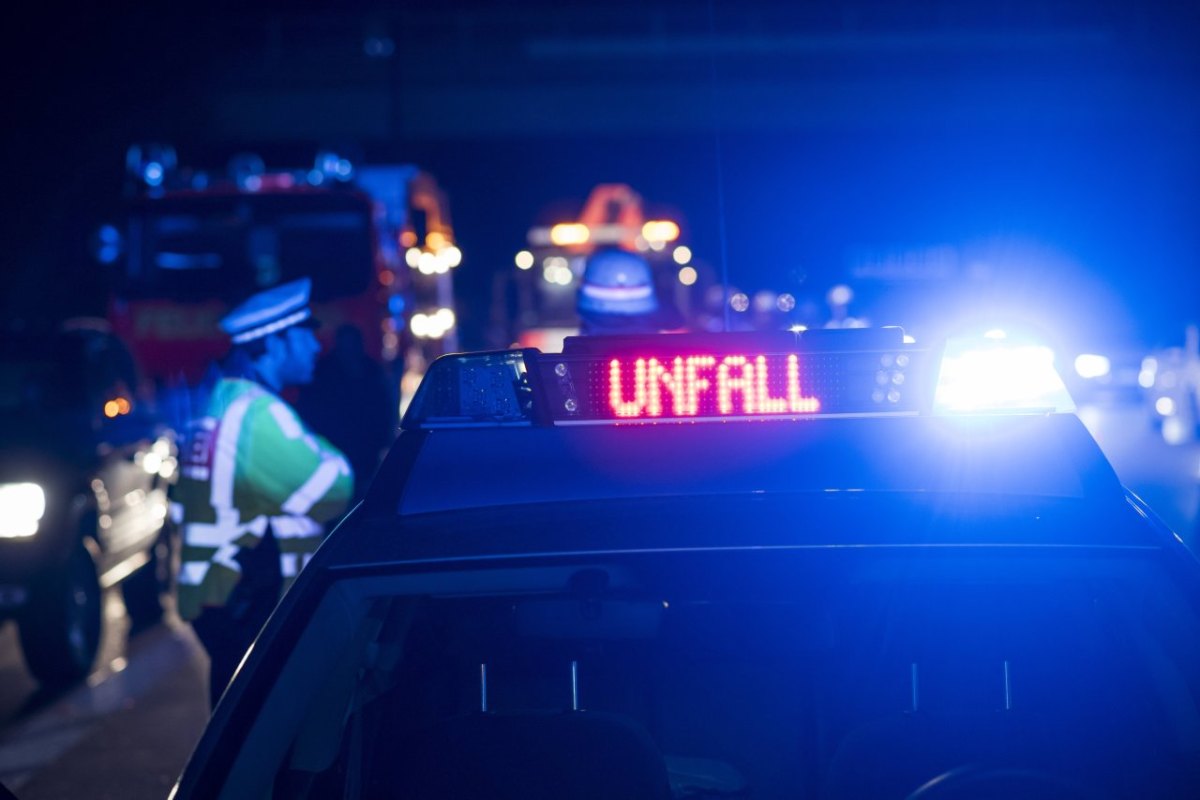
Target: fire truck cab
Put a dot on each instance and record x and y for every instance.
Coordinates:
(375, 240)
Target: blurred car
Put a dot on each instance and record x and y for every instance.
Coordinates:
(1171, 379)
(730, 566)
(83, 476)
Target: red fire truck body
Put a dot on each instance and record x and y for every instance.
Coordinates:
(376, 242)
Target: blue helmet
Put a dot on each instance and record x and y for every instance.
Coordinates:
(617, 283)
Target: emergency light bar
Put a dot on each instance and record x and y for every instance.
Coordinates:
(723, 377)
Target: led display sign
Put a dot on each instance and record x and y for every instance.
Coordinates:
(633, 386)
(695, 385)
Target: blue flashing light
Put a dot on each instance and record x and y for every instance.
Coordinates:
(396, 305)
(108, 253)
(999, 375)
(153, 174)
(109, 235)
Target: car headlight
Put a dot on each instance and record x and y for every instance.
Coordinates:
(21, 508)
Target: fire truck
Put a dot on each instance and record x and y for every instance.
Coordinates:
(376, 241)
(549, 272)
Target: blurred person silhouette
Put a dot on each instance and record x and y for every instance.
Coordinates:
(255, 484)
(351, 402)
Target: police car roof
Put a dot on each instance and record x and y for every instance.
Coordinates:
(508, 477)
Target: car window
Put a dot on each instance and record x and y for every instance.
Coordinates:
(740, 674)
(226, 248)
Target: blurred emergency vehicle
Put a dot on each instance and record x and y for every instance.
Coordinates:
(548, 274)
(376, 240)
(832, 565)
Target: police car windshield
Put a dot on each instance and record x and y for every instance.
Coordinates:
(835, 673)
(225, 247)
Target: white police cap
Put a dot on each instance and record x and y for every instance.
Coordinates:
(269, 311)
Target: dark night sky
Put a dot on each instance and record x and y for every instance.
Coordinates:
(1088, 214)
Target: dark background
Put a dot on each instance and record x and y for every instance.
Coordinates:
(1051, 146)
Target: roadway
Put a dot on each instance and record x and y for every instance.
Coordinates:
(123, 734)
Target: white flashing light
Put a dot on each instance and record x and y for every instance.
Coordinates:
(22, 506)
(985, 376)
(151, 463)
(682, 254)
(1148, 372)
(1175, 431)
(427, 264)
(995, 334)
(569, 233)
(524, 260)
(786, 302)
(798, 328)
(432, 326)
(556, 270)
(909, 339)
(840, 295)
(412, 256)
(739, 302)
(688, 275)
(558, 274)
(660, 231)
(1091, 365)
(420, 325)
(1165, 406)
(452, 255)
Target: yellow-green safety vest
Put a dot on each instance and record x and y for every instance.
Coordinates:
(245, 463)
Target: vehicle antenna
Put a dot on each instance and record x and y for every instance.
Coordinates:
(721, 234)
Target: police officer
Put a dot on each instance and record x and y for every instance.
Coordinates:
(255, 484)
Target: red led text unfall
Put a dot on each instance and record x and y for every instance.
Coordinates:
(736, 385)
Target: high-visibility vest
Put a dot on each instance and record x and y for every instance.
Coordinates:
(247, 462)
